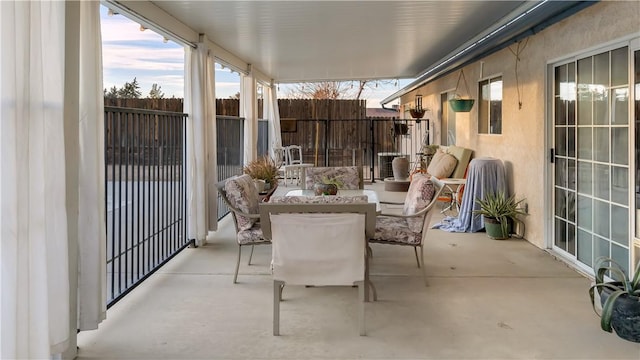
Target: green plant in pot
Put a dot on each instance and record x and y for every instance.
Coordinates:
(619, 297)
(328, 186)
(499, 211)
(263, 168)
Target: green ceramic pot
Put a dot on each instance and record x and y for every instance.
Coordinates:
(461, 105)
(494, 229)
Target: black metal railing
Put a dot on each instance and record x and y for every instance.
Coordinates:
(146, 194)
(230, 151)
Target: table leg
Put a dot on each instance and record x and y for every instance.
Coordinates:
(303, 177)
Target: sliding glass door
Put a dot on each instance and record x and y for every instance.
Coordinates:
(591, 193)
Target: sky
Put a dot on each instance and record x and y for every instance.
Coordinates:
(130, 53)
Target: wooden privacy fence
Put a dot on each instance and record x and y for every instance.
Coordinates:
(330, 132)
(348, 142)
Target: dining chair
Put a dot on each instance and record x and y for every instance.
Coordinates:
(242, 198)
(280, 158)
(410, 228)
(295, 164)
(331, 252)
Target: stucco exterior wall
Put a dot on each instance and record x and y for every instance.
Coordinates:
(522, 143)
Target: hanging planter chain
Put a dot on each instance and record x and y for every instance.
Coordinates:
(466, 86)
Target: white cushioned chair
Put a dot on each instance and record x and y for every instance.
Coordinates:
(410, 227)
(332, 250)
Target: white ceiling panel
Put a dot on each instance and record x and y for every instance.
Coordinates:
(293, 41)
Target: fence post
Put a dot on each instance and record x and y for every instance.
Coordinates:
(373, 150)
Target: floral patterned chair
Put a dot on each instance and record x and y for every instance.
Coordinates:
(241, 195)
(410, 227)
(350, 177)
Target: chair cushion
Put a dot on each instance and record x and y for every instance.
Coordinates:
(357, 199)
(419, 195)
(252, 235)
(395, 230)
(442, 165)
(243, 194)
(347, 175)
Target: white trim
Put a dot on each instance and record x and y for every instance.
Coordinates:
(548, 204)
(488, 77)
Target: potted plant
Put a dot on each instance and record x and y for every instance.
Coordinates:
(619, 297)
(263, 168)
(499, 210)
(328, 186)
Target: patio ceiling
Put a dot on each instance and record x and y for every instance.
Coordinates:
(299, 41)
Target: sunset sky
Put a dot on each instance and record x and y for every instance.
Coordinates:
(128, 52)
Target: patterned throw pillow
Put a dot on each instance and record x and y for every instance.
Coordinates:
(243, 194)
(419, 195)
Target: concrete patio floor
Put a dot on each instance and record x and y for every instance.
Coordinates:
(486, 299)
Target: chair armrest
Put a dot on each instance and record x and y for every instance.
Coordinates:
(418, 214)
(391, 203)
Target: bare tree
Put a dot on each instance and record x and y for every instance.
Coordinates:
(334, 89)
(156, 92)
(318, 90)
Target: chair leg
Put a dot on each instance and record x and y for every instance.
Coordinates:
(250, 255)
(361, 296)
(235, 275)
(368, 284)
(415, 251)
(424, 271)
(277, 293)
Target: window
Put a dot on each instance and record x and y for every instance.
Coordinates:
(490, 107)
(448, 132)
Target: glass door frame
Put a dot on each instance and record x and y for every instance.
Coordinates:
(634, 247)
(633, 44)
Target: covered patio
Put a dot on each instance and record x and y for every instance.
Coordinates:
(486, 299)
(519, 298)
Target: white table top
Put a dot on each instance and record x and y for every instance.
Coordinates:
(372, 196)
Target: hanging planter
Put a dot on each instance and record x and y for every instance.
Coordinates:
(459, 104)
(417, 113)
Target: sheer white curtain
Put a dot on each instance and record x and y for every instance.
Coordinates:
(273, 115)
(92, 294)
(248, 110)
(202, 174)
(34, 278)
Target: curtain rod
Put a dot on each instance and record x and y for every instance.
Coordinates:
(123, 9)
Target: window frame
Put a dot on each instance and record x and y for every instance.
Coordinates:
(493, 117)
